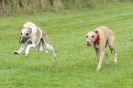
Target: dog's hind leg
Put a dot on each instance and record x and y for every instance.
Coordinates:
(42, 46)
(112, 47)
(39, 46)
(50, 49)
(47, 45)
(107, 58)
(114, 52)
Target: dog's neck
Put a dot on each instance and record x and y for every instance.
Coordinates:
(96, 42)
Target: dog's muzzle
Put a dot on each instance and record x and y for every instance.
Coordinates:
(23, 40)
(88, 43)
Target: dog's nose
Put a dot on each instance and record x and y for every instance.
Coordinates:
(88, 43)
(24, 39)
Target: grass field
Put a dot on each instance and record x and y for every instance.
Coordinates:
(76, 63)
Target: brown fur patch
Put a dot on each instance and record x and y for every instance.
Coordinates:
(28, 30)
(38, 33)
(44, 35)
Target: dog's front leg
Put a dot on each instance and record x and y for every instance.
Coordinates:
(28, 48)
(20, 50)
(97, 53)
(100, 60)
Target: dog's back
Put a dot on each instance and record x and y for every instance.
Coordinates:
(104, 31)
(45, 37)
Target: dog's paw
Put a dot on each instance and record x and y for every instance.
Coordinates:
(55, 57)
(46, 51)
(115, 61)
(26, 55)
(98, 68)
(107, 62)
(15, 52)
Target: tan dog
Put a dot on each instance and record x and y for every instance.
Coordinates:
(99, 39)
(32, 36)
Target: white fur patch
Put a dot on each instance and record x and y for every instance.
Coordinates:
(32, 26)
(96, 46)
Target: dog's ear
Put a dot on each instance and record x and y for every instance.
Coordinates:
(96, 32)
(30, 30)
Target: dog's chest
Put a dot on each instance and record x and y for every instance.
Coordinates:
(97, 46)
(29, 42)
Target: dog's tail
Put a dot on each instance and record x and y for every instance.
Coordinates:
(46, 44)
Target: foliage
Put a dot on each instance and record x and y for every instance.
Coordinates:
(9, 7)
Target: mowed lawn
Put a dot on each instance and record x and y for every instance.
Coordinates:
(75, 66)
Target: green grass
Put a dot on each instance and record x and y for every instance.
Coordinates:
(76, 63)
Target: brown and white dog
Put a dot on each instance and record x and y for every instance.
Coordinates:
(100, 38)
(32, 36)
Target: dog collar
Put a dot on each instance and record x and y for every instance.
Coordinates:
(97, 40)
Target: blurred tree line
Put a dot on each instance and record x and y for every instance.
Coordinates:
(33, 6)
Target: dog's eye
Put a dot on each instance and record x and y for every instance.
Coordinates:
(27, 33)
(21, 33)
(92, 36)
(86, 36)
